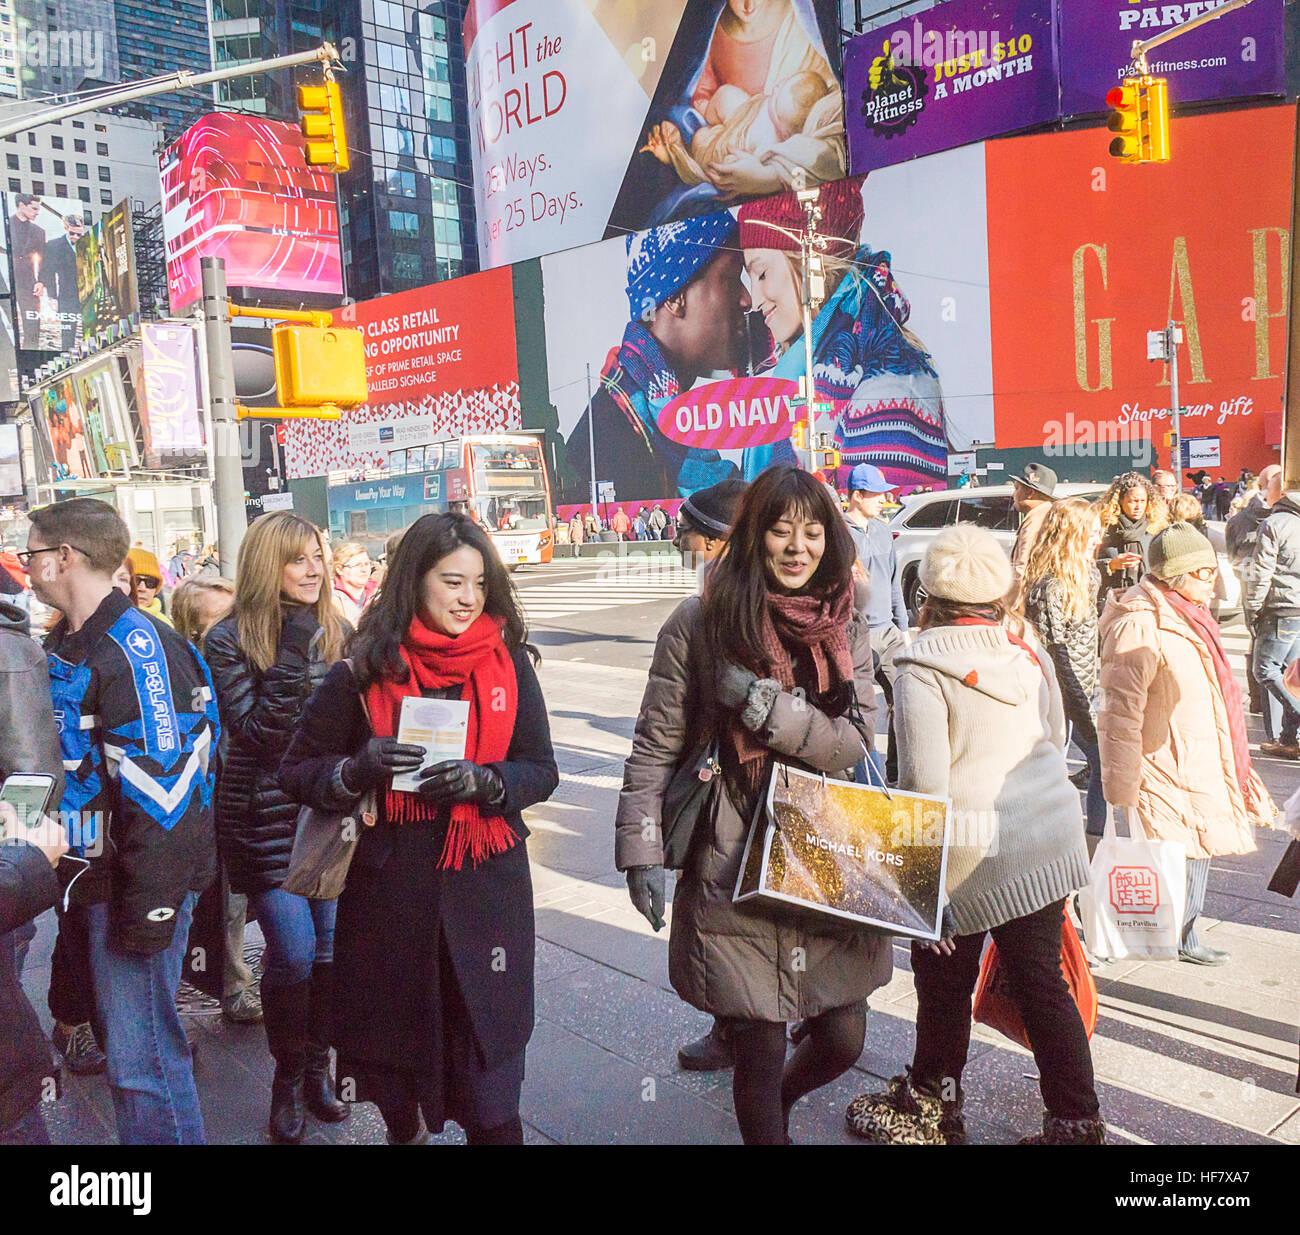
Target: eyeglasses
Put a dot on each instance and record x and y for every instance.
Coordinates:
(1205, 574)
(27, 554)
(148, 580)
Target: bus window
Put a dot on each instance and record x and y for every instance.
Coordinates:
(451, 454)
(433, 458)
(356, 522)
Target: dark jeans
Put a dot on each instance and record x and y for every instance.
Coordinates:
(1030, 950)
(299, 933)
(1095, 799)
(1277, 644)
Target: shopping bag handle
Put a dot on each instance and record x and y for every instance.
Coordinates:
(1111, 827)
(869, 761)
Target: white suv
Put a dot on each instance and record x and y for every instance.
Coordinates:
(922, 515)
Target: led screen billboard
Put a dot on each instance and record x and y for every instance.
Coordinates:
(240, 188)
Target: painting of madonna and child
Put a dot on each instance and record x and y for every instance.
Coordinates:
(749, 104)
(693, 334)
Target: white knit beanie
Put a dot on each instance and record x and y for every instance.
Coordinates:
(965, 563)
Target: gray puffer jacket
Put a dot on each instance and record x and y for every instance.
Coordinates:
(1272, 576)
(741, 960)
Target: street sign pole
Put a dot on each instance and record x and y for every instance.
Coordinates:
(227, 456)
(1172, 336)
(591, 441)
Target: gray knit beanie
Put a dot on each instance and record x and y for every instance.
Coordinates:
(1178, 550)
(965, 563)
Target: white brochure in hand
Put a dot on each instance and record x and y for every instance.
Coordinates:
(439, 725)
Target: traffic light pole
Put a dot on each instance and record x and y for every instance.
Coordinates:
(227, 454)
(806, 250)
(1175, 437)
(325, 54)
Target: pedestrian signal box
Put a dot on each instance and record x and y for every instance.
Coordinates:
(322, 126)
(319, 365)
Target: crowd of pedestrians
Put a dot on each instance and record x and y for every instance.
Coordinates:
(191, 743)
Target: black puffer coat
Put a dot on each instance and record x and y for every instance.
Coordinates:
(1072, 645)
(255, 819)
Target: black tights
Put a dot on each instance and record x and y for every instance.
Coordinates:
(766, 1087)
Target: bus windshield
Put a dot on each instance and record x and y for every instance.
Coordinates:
(509, 486)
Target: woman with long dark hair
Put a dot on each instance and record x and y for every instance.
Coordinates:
(433, 960)
(279, 641)
(773, 663)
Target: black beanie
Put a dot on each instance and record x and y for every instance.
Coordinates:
(713, 510)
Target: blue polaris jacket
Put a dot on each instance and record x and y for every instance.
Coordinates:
(138, 728)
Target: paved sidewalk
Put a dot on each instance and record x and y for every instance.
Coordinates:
(1183, 1054)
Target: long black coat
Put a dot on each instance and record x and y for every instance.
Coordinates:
(397, 906)
(1117, 541)
(28, 887)
(255, 819)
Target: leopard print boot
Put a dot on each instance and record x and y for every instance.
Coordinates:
(1068, 1132)
(903, 1115)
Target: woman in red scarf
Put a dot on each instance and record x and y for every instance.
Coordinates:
(433, 950)
(772, 663)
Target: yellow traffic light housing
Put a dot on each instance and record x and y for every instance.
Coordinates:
(1125, 121)
(319, 365)
(322, 126)
(1140, 120)
(799, 434)
(1154, 110)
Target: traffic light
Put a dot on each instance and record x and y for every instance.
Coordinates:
(799, 434)
(1154, 108)
(317, 366)
(1125, 122)
(322, 126)
(1139, 119)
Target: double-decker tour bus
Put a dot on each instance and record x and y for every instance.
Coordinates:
(498, 479)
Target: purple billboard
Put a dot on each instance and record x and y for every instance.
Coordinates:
(167, 388)
(954, 75)
(1237, 55)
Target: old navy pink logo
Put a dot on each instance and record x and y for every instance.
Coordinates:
(733, 414)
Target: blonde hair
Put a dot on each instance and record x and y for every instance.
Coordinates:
(186, 615)
(1061, 552)
(272, 542)
(1185, 509)
(346, 552)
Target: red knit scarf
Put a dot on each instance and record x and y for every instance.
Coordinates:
(1202, 622)
(815, 624)
(479, 663)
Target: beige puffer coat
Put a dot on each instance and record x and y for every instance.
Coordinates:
(1166, 749)
(740, 960)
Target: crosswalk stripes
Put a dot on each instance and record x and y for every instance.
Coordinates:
(567, 597)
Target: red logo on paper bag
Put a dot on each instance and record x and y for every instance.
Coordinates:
(1134, 889)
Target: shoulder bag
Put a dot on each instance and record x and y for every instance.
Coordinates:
(325, 842)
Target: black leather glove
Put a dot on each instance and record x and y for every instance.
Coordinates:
(733, 685)
(460, 780)
(645, 885)
(377, 760)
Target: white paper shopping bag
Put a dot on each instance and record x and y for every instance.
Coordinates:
(1136, 901)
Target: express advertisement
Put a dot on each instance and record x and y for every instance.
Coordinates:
(590, 117)
(43, 237)
(439, 360)
(106, 285)
(8, 343)
(1237, 55)
(1127, 249)
(169, 405)
(956, 74)
(240, 188)
(692, 335)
